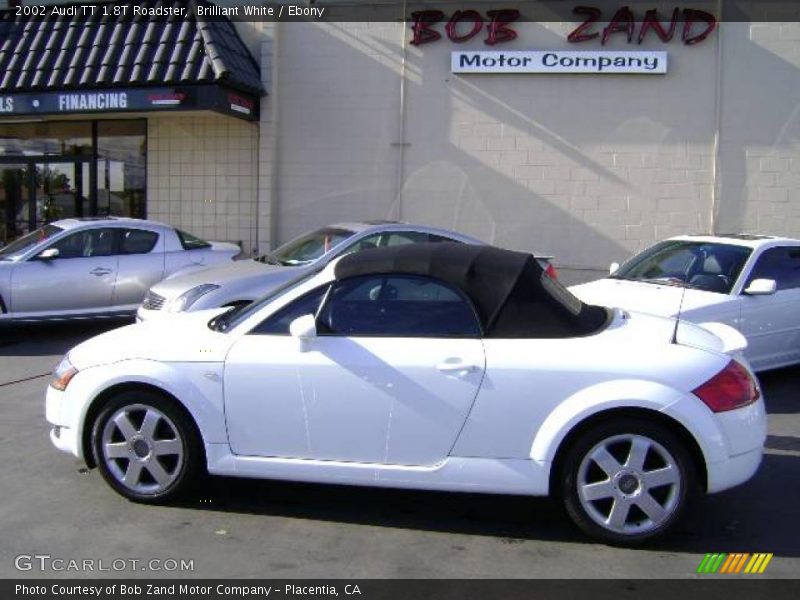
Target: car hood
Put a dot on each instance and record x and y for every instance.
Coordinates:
(185, 337)
(652, 298)
(240, 272)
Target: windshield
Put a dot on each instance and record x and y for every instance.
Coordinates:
(707, 266)
(18, 247)
(236, 315)
(309, 247)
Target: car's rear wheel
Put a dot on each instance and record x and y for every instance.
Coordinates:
(627, 481)
(146, 448)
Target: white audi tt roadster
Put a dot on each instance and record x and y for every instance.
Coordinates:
(430, 366)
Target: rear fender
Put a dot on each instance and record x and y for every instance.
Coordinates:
(692, 414)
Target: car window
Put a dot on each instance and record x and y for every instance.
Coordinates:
(781, 264)
(137, 241)
(706, 266)
(278, 323)
(28, 241)
(310, 247)
(400, 238)
(433, 238)
(397, 306)
(86, 244)
(395, 238)
(191, 242)
(371, 241)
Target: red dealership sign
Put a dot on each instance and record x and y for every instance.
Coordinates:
(464, 25)
(697, 25)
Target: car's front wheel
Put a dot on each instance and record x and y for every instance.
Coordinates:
(627, 481)
(146, 448)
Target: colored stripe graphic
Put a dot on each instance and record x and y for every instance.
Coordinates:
(711, 563)
(704, 564)
(721, 562)
(729, 563)
(758, 563)
(741, 562)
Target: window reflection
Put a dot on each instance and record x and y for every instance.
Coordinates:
(53, 170)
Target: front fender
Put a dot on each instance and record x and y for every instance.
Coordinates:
(197, 386)
(692, 414)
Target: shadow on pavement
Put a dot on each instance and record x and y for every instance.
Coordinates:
(781, 390)
(44, 339)
(759, 516)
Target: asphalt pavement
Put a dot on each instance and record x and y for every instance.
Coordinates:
(53, 506)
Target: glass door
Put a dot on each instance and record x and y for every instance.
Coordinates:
(15, 205)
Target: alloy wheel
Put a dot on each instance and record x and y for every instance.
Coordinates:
(629, 484)
(142, 449)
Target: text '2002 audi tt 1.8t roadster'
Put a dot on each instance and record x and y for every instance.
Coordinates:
(430, 366)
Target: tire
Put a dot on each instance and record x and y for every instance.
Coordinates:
(628, 480)
(145, 447)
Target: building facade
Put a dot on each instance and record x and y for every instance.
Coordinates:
(363, 120)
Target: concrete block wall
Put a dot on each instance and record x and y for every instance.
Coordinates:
(202, 176)
(267, 141)
(759, 177)
(336, 98)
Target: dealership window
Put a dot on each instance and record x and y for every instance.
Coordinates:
(51, 170)
(121, 168)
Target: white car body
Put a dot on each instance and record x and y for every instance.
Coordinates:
(113, 282)
(769, 320)
(445, 413)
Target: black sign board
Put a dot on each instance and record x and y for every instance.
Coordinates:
(198, 97)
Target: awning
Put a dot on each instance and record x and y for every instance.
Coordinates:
(73, 62)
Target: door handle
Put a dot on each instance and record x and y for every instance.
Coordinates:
(453, 367)
(99, 271)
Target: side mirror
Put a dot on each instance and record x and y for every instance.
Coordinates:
(304, 330)
(761, 287)
(613, 268)
(48, 254)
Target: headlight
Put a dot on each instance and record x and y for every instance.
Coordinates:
(63, 374)
(186, 299)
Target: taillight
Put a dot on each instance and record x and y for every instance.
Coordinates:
(731, 388)
(551, 271)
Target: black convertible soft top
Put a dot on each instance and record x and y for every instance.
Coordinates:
(511, 293)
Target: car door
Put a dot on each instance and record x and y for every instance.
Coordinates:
(390, 378)
(80, 278)
(771, 322)
(140, 264)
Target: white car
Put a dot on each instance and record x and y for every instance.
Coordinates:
(243, 282)
(95, 267)
(750, 282)
(430, 366)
